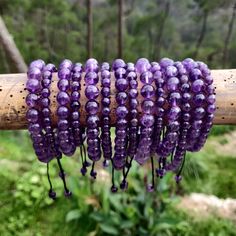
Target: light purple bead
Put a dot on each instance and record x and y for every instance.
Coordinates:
(142, 65)
(37, 63)
(172, 84)
(118, 63)
(197, 86)
(34, 73)
(33, 85)
(166, 62)
(147, 91)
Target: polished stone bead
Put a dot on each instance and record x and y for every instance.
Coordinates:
(75, 105)
(185, 87)
(63, 112)
(39, 64)
(133, 84)
(175, 97)
(121, 98)
(106, 92)
(171, 71)
(186, 97)
(133, 93)
(160, 101)
(75, 96)
(92, 107)
(160, 111)
(106, 111)
(32, 115)
(32, 99)
(121, 111)
(91, 92)
(75, 86)
(63, 124)
(91, 78)
(199, 99)
(197, 124)
(197, 86)
(66, 63)
(174, 113)
(92, 133)
(34, 73)
(199, 113)
(92, 121)
(142, 65)
(184, 79)
(186, 116)
(148, 106)
(106, 102)
(172, 84)
(75, 115)
(147, 91)
(211, 99)
(35, 128)
(118, 63)
(106, 82)
(122, 123)
(64, 73)
(146, 77)
(147, 120)
(172, 137)
(45, 102)
(121, 133)
(166, 62)
(209, 79)
(76, 76)
(63, 98)
(45, 93)
(174, 126)
(46, 82)
(132, 76)
(211, 108)
(121, 85)
(33, 85)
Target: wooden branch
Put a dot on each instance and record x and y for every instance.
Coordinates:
(89, 28)
(11, 49)
(13, 93)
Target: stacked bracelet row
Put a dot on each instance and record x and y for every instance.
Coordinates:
(161, 111)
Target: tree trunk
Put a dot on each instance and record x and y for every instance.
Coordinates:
(11, 49)
(120, 29)
(227, 38)
(202, 34)
(89, 28)
(158, 42)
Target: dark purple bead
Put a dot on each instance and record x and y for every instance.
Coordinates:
(63, 98)
(197, 86)
(147, 91)
(172, 84)
(33, 85)
(118, 63)
(92, 107)
(146, 77)
(31, 100)
(121, 98)
(148, 106)
(91, 78)
(121, 85)
(91, 92)
(121, 111)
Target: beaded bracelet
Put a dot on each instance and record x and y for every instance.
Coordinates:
(92, 92)
(64, 134)
(106, 134)
(147, 120)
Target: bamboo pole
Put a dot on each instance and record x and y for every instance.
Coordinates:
(13, 93)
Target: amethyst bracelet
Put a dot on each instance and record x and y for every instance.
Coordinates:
(170, 113)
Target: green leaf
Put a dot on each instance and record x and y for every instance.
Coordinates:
(73, 215)
(109, 229)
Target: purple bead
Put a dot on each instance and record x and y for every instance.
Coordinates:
(197, 86)
(91, 92)
(132, 76)
(66, 64)
(63, 98)
(146, 77)
(64, 73)
(171, 71)
(121, 85)
(172, 84)
(121, 98)
(148, 106)
(63, 112)
(121, 111)
(199, 113)
(174, 113)
(118, 63)
(211, 99)
(133, 93)
(147, 120)
(211, 108)
(142, 65)
(166, 62)
(199, 99)
(38, 64)
(91, 78)
(33, 85)
(32, 99)
(147, 91)
(105, 92)
(32, 115)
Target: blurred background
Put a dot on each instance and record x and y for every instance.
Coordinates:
(204, 203)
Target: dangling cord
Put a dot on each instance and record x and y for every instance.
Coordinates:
(62, 175)
(51, 193)
(151, 187)
(160, 171)
(83, 169)
(124, 183)
(87, 164)
(92, 172)
(113, 187)
(178, 176)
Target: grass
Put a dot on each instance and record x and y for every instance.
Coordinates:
(26, 210)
